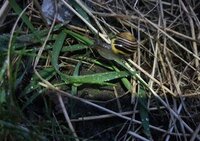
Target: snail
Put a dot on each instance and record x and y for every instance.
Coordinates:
(123, 43)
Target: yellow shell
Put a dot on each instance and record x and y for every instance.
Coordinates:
(124, 43)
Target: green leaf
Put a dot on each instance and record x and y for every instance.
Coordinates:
(72, 48)
(31, 99)
(125, 81)
(25, 40)
(2, 96)
(3, 70)
(96, 62)
(76, 73)
(25, 19)
(18, 10)
(79, 10)
(98, 78)
(46, 73)
(74, 89)
(81, 38)
(142, 98)
(56, 50)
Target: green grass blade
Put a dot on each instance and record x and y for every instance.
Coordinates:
(72, 48)
(31, 99)
(26, 20)
(26, 40)
(81, 38)
(20, 130)
(76, 73)
(125, 81)
(79, 10)
(2, 96)
(142, 98)
(18, 10)
(3, 70)
(56, 50)
(74, 89)
(98, 78)
(96, 62)
(46, 73)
